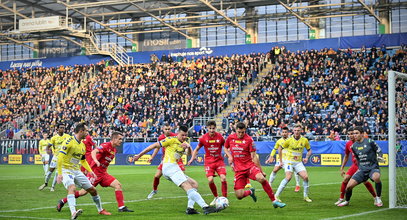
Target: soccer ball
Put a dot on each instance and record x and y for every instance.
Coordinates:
(222, 203)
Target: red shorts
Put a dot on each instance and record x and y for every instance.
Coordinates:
(103, 180)
(242, 176)
(218, 167)
(352, 170)
(180, 164)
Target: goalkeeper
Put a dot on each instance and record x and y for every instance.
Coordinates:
(367, 154)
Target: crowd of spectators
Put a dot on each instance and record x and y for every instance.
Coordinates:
(138, 99)
(327, 91)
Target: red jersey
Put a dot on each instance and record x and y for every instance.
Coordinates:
(213, 147)
(348, 149)
(162, 137)
(89, 146)
(241, 151)
(105, 156)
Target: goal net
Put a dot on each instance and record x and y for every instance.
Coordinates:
(397, 139)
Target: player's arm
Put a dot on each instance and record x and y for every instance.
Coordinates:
(94, 158)
(308, 147)
(194, 153)
(273, 152)
(155, 152)
(85, 165)
(345, 160)
(280, 155)
(378, 150)
(256, 161)
(149, 148)
(227, 152)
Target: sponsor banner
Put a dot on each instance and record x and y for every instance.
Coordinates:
(37, 159)
(331, 159)
(386, 160)
(143, 160)
(36, 24)
(161, 41)
(15, 159)
(315, 159)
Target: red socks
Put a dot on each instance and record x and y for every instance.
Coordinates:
(343, 187)
(225, 189)
(119, 198)
(212, 186)
(156, 182)
(268, 190)
(369, 187)
(247, 193)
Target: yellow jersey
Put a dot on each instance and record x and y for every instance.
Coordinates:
(293, 148)
(173, 149)
(42, 148)
(57, 142)
(279, 143)
(73, 153)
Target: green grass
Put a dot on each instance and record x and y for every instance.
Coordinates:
(20, 193)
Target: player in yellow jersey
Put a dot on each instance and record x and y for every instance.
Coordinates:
(293, 161)
(44, 151)
(70, 160)
(277, 167)
(56, 141)
(175, 147)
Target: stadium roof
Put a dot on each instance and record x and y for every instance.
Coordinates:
(124, 17)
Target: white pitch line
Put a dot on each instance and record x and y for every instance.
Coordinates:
(357, 214)
(6, 216)
(138, 200)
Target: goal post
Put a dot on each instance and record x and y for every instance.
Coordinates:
(392, 136)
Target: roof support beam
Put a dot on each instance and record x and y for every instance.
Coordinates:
(96, 21)
(370, 10)
(288, 8)
(160, 20)
(207, 3)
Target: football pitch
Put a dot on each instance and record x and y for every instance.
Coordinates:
(20, 197)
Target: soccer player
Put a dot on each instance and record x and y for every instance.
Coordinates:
(44, 145)
(70, 159)
(89, 144)
(293, 162)
(278, 167)
(243, 159)
(100, 161)
(214, 162)
(352, 170)
(159, 173)
(56, 141)
(175, 147)
(367, 154)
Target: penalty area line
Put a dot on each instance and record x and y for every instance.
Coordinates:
(28, 217)
(357, 214)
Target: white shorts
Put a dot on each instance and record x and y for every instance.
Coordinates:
(76, 177)
(171, 171)
(290, 166)
(45, 158)
(54, 161)
(277, 164)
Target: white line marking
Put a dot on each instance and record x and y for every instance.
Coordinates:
(139, 200)
(6, 216)
(362, 213)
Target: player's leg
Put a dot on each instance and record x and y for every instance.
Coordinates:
(375, 176)
(352, 170)
(49, 173)
(83, 181)
(355, 180)
(156, 181)
(213, 188)
(304, 175)
(273, 174)
(68, 179)
(297, 182)
(54, 182)
(288, 175)
(256, 174)
(117, 186)
(63, 201)
(45, 162)
(224, 184)
(184, 182)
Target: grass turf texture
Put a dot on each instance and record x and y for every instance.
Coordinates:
(21, 198)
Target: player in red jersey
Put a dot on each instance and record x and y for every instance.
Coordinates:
(89, 143)
(101, 158)
(243, 159)
(214, 162)
(352, 170)
(159, 173)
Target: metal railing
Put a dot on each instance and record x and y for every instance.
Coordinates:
(118, 53)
